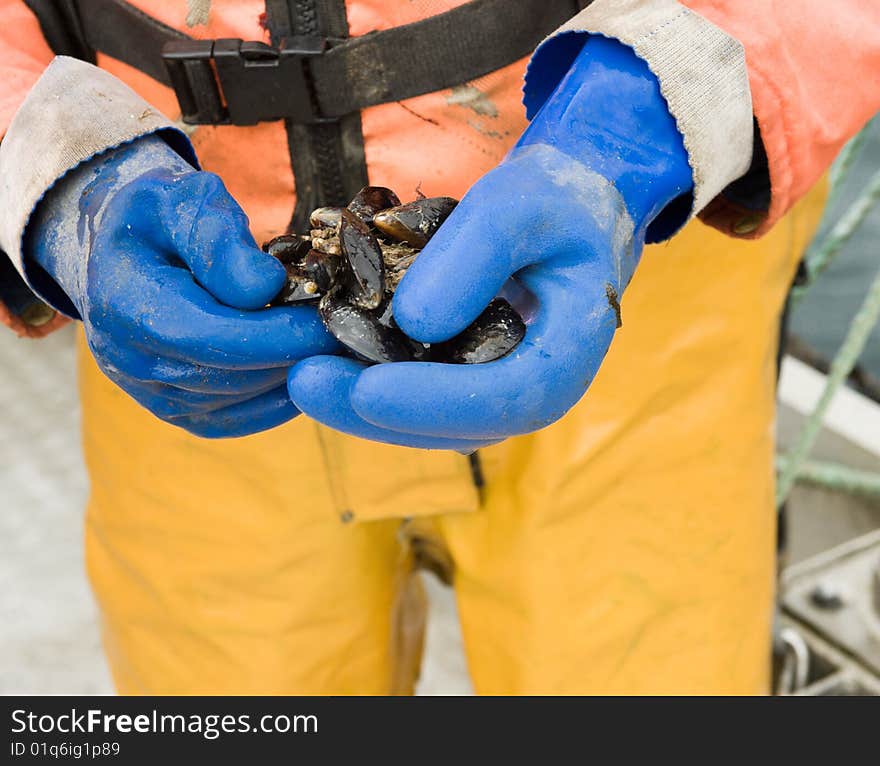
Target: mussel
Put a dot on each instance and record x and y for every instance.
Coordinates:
(490, 336)
(288, 248)
(371, 200)
(361, 331)
(364, 266)
(415, 222)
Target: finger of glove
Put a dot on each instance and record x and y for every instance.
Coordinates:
(531, 387)
(501, 226)
(212, 380)
(210, 231)
(163, 401)
(260, 413)
(320, 388)
(135, 299)
(198, 378)
(168, 402)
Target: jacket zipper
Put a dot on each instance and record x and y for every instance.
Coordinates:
(324, 136)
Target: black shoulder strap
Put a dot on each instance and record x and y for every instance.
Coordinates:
(438, 52)
(80, 27)
(59, 22)
(435, 53)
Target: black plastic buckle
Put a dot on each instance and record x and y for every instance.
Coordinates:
(232, 82)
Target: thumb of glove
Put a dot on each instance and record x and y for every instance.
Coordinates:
(211, 235)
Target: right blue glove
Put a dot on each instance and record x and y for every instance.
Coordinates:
(157, 260)
(601, 169)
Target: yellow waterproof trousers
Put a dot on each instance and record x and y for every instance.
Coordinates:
(629, 548)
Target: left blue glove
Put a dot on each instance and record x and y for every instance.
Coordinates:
(601, 168)
(157, 260)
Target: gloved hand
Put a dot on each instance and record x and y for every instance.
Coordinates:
(566, 213)
(157, 260)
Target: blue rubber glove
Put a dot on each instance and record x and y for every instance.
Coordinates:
(567, 214)
(157, 260)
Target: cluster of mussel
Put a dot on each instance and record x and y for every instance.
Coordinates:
(351, 262)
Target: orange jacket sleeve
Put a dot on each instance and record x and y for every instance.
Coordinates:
(25, 55)
(814, 74)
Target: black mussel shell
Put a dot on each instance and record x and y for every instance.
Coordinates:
(288, 248)
(359, 329)
(299, 287)
(370, 200)
(490, 336)
(415, 222)
(325, 217)
(420, 352)
(364, 269)
(321, 269)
